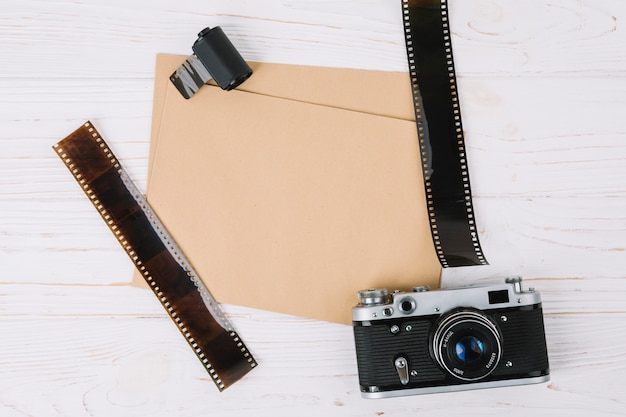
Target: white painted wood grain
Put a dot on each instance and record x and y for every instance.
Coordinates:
(136, 366)
(542, 87)
(115, 38)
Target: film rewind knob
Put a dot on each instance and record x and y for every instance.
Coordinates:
(373, 296)
(214, 57)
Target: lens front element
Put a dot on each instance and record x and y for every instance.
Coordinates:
(467, 344)
(469, 349)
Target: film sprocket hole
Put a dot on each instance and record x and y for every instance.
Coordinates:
(449, 340)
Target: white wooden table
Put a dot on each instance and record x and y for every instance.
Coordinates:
(543, 91)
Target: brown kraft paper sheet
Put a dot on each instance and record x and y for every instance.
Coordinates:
(296, 190)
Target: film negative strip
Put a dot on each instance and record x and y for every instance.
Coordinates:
(154, 252)
(190, 76)
(442, 143)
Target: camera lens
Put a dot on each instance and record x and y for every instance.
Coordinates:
(467, 344)
(469, 349)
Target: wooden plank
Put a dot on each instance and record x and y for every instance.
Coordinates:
(503, 38)
(132, 366)
(93, 297)
(530, 137)
(48, 241)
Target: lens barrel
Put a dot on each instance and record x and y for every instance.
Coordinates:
(467, 344)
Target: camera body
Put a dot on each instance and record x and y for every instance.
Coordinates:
(449, 339)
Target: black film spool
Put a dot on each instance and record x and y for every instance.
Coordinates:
(214, 57)
(220, 58)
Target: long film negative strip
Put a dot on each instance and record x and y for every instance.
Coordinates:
(442, 143)
(159, 259)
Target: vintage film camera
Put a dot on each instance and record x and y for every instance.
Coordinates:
(449, 340)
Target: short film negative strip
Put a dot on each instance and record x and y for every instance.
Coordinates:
(155, 254)
(214, 57)
(442, 143)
